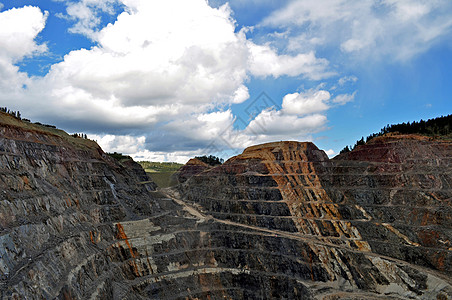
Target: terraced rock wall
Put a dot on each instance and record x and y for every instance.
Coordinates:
(375, 221)
(58, 198)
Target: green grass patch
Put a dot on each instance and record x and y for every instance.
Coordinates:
(161, 172)
(157, 167)
(162, 179)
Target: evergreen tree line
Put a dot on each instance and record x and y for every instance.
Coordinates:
(441, 126)
(118, 156)
(80, 135)
(210, 160)
(15, 114)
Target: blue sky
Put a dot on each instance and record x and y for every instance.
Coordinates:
(168, 80)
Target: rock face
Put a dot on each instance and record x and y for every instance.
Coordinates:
(59, 197)
(375, 222)
(193, 167)
(280, 220)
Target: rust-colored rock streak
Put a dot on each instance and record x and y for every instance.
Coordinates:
(296, 175)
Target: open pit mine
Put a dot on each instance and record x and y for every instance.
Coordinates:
(279, 221)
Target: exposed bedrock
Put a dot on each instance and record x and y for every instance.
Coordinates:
(279, 221)
(375, 219)
(58, 198)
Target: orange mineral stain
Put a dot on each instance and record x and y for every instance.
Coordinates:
(91, 237)
(122, 235)
(296, 176)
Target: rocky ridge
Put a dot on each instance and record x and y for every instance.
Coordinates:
(280, 220)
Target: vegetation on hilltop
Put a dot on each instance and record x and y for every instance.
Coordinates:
(210, 160)
(15, 114)
(161, 172)
(440, 127)
(14, 118)
(119, 156)
(18, 116)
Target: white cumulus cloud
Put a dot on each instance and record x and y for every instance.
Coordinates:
(160, 79)
(301, 115)
(18, 29)
(398, 29)
(86, 14)
(306, 103)
(120, 143)
(273, 123)
(266, 62)
(344, 98)
(330, 153)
